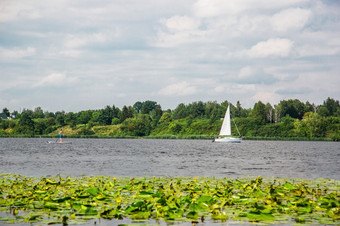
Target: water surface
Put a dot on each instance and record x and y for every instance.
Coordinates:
(149, 157)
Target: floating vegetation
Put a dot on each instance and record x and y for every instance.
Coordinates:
(66, 200)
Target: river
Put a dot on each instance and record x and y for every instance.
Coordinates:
(153, 157)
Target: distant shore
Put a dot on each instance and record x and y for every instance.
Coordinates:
(193, 137)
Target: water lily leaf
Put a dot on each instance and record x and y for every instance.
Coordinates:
(50, 222)
(82, 196)
(289, 186)
(33, 218)
(197, 207)
(80, 199)
(192, 215)
(62, 199)
(130, 209)
(101, 197)
(146, 193)
(300, 220)
(93, 191)
(175, 215)
(257, 216)
(18, 203)
(48, 181)
(87, 211)
(51, 205)
(220, 216)
(141, 215)
(205, 199)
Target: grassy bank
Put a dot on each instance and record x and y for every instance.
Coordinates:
(66, 200)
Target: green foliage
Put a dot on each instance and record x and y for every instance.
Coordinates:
(292, 119)
(138, 126)
(85, 131)
(259, 111)
(66, 200)
(127, 112)
(84, 117)
(332, 106)
(312, 125)
(292, 108)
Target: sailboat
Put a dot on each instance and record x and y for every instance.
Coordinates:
(226, 130)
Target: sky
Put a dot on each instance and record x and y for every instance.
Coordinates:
(87, 54)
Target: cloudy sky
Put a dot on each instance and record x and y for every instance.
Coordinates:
(86, 54)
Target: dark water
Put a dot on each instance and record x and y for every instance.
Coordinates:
(144, 157)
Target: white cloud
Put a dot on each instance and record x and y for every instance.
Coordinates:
(255, 75)
(180, 23)
(171, 50)
(290, 19)
(319, 43)
(276, 47)
(178, 30)
(79, 40)
(265, 97)
(55, 79)
(11, 10)
(178, 89)
(16, 52)
(214, 8)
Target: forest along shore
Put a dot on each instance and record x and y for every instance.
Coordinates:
(289, 120)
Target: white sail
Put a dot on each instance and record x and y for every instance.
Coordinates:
(225, 129)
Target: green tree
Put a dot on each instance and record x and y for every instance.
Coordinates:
(26, 124)
(180, 111)
(71, 119)
(331, 105)
(116, 112)
(95, 116)
(165, 119)
(269, 112)
(138, 106)
(259, 111)
(311, 126)
(309, 107)
(84, 117)
(156, 114)
(106, 116)
(196, 109)
(138, 126)
(238, 110)
(148, 106)
(175, 128)
(6, 111)
(38, 113)
(323, 111)
(293, 108)
(127, 112)
(60, 119)
(212, 111)
(40, 126)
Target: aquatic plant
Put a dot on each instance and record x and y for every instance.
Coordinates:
(66, 200)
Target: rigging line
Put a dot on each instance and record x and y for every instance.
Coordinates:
(235, 124)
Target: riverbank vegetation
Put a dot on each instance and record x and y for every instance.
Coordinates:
(66, 200)
(289, 119)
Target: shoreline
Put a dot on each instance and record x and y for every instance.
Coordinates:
(175, 137)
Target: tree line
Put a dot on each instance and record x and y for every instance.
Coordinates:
(289, 118)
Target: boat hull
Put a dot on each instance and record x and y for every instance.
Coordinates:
(228, 140)
(58, 142)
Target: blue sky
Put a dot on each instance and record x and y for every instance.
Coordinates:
(81, 54)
